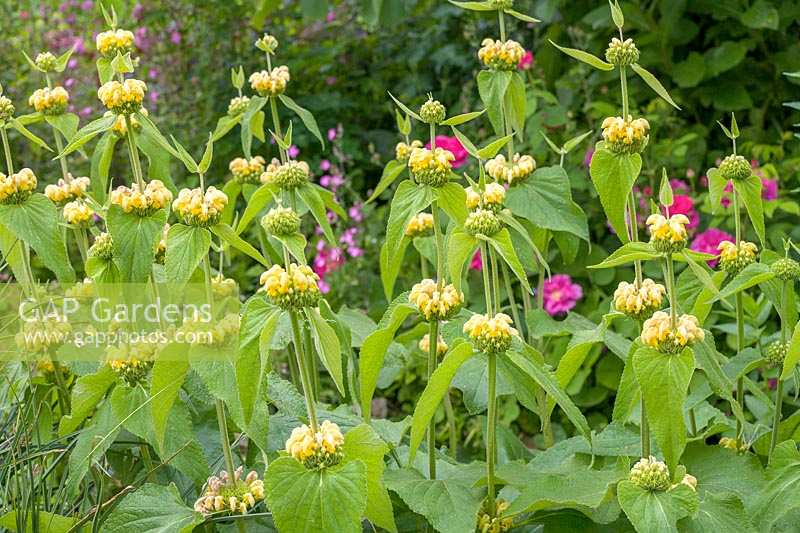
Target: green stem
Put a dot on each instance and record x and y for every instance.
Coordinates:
(491, 433)
(423, 267)
(487, 285)
(451, 424)
(226, 445)
(439, 239)
(312, 364)
(83, 244)
(502, 20)
(63, 160)
(495, 281)
(739, 349)
(433, 338)
(623, 80)
(7, 150)
(777, 419)
(645, 432)
(633, 226)
(276, 123)
(133, 152)
(433, 136)
(510, 293)
(669, 270)
(304, 376)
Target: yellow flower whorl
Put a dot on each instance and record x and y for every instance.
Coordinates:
(133, 200)
(425, 345)
(221, 495)
(626, 136)
(420, 225)
(17, 188)
(500, 55)
(490, 334)
(513, 171)
(433, 304)
(270, 83)
(402, 151)
(650, 474)
(667, 235)
(110, 42)
(734, 258)
(247, 170)
(198, 208)
(77, 213)
(639, 301)
(50, 101)
(64, 191)
(658, 333)
(431, 167)
(123, 98)
(316, 450)
(292, 289)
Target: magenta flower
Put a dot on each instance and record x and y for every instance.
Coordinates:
(527, 61)
(587, 157)
(769, 189)
(560, 294)
(454, 145)
(476, 263)
(293, 151)
(332, 134)
(324, 165)
(354, 212)
(684, 205)
(679, 186)
(707, 241)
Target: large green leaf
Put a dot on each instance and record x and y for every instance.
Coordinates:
(613, 176)
(94, 440)
(437, 386)
(751, 276)
(452, 199)
(305, 115)
(390, 270)
(664, 380)
(86, 394)
(718, 513)
(391, 172)
(515, 101)
(716, 187)
(654, 84)
(779, 496)
(461, 247)
(373, 350)
(362, 444)
(168, 375)
(311, 197)
(186, 247)
(227, 234)
(135, 240)
(88, 132)
(501, 242)
(35, 221)
(102, 156)
(257, 201)
(253, 109)
(152, 509)
(720, 470)
(750, 192)
(329, 499)
(708, 361)
(628, 253)
(492, 87)
(656, 511)
(328, 347)
(585, 57)
(258, 324)
(409, 200)
(545, 200)
(46, 523)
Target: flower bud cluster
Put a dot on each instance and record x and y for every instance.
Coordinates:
(403, 151)
(775, 353)
(626, 136)
(133, 200)
(197, 208)
(102, 247)
(238, 105)
(482, 221)
(236, 497)
(491, 334)
(734, 258)
(17, 188)
(501, 55)
(735, 167)
(434, 304)
(492, 523)
(421, 225)
(622, 53)
(668, 235)
(292, 289)
(639, 301)
(786, 269)
(123, 98)
(658, 332)
(50, 101)
(432, 111)
(46, 61)
(287, 176)
(319, 449)
(425, 345)
(42, 335)
(512, 171)
(6, 109)
(247, 170)
(650, 474)
(267, 43)
(64, 191)
(111, 42)
(281, 221)
(431, 167)
(131, 362)
(270, 82)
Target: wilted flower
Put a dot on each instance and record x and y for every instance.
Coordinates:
(434, 304)
(622, 53)
(111, 42)
(487, 524)
(482, 221)
(734, 258)
(281, 221)
(17, 188)
(402, 151)
(292, 289)
(198, 208)
(123, 98)
(316, 450)
(237, 497)
(500, 55)
(270, 83)
(490, 334)
(657, 332)
(513, 171)
(735, 167)
(668, 235)
(238, 105)
(247, 170)
(132, 199)
(77, 213)
(639, 301)
(287, 176)
(650, 474)
(432, 111)
(560, 294)
(431, 167)
(775, 353)
(64, 191)
(626, 136)
(50, 101)
(425, 345)
(420, 225)
(103, 247)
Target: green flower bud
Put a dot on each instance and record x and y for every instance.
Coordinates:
(622, 54)
(238, 105)
(502, 4)
(281, 221)
(432, 111)
(267, 44)
(287, 176)
(775, 353)
(103, 247)
(786, 269)
(482, 221)
(6, 109)
(46, 61)
(650, 474)
(735, 167)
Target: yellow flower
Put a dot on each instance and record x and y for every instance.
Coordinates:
(473, 198)
(733, 259)
(110, 42)
(626, 136)
(267, 43)
(132, 361)
(123, 98)
(223, 287)
(487, 524)
(120, 127)
(270, 83)
(318, 449)
(402, 151)
(247, 171)
(667, 235)
(199, 330)
(658, 332)
(494, 194)
(161, 247)
(292, 289)
(425, 345)
(501, 55)
(17, 188)
(650, 474)
(77, 212)
(434, 304)
(64, 191)
(198, 208)
(237, 496)
(287, 176)
(490, 334)
(131, 199)
(513, 171)
(420, 225)
(50, 101)
(238, 105)
(639, 301)
(431, 167)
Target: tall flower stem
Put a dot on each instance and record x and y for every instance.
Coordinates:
(276, 122)
(133, 152)
(511, 300)
(7, 150)
(739, 316)
(304, 375)
(779, 386)
(492, 393)
(433, 337)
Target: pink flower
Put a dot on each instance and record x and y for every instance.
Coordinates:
(769, 189)
(293, 151)
(560, 294)
(527, 61)
(679, 186)
(684, 205)
(707, 242)
(587, 157)
(324, 165)
(355, 213)
(175, 37)
(332, 134)
(476, 263)
(454, 145)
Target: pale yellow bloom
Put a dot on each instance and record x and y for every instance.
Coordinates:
(501, 55)
(420, 225)
(132, 361)
(626, 136)
(639, 301)
(131, 199)
(287, 176)
(667, 235)
(112, 41)
(513, 171)
(50, 101)
(491, 334)
(434, 304)
(198, 208)
(650, 474)
(77, 212)
(270, 83)
(402, 151)
(431, 167)
(733, 259)
(120, 127)
(237, 496)
(247, 170)
(292, 289)
(64, 191)
(316, 449)
(494, 194)
(658, 332)
(123, 98)
(425, 345)
(17, 187)
(473, 198)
